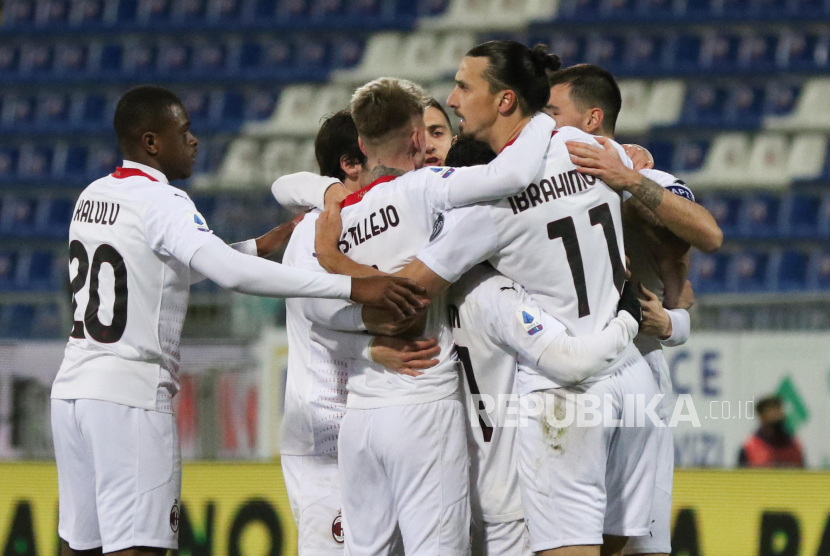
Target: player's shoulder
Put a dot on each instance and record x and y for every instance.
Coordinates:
(487, 286)
(670, 182)
(568, 133)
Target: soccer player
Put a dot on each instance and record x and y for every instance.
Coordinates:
(135, 246)
(587, 97)
(561, 239)
(315, 392)
(439, 133)
(403, 457)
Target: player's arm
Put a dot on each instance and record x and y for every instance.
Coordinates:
(306, 190)
(671, 326)
(686, 219)
(543, 343)
(408, 357)
(508, 174)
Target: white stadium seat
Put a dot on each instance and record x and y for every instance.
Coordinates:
(725, 163)
(666, 102)
(768, 161)
(812, 109)
(807, 156)
(241, 166)
(633, 116)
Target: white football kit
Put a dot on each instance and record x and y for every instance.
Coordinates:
(644, 269)
(561, 238)
(133, 240)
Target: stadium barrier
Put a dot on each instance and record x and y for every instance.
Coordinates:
(236, 509)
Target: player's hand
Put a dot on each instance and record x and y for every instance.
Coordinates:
(403, 356)
(277, 238)
(381, 322)
(336, 193)
(603, 162)
(630, 303)
(656, 321)
(687, 297)
(400, 296)
(640, 156)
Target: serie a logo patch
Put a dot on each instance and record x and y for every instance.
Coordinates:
(199, 221)
(531, 324)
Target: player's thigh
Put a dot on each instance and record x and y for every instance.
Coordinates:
(77, 515)
(508, 538)
(632, 459)
(658, 539)
(313, 484)
(369, 519)
(425, 454)
(135, 453)
(562, 461)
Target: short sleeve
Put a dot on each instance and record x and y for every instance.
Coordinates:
(174, 227)
(516, 321)
(461, 238)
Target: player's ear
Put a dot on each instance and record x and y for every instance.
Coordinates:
(150, 143)
(361, 145)
(595, 119)
(507, 102)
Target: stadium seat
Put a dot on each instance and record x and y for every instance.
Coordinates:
(8, 162)
(791, 269)
(18, 13)
(8, 270)
(725, 163)
(16, 321)
(705, 106)
(760, 216)
(719, 52)
(749, 271)
(780, 99)
(19, 216)
(490, 14)
(804, 51)
(380, 57)
(9, 59)
(800, 216)
(278, 158)
(807, 156)
(75, 162)
(645, 54)
(768, 160)
(812, 110)
(744, 107)
(71, 59)
(571, 49)
(708, 272)
(174, 58)
(35, 162)
(57, 217)
(726, 209)
(53, 109)
(300, 109)
(687, 53)
(818, 272)
(241, 165)
(633, 116)
(666, 102)
(40, 267)
(46, 321)
(139, 58)
(606, 50)
(757, 52)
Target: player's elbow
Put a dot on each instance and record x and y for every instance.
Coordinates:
(712, 240)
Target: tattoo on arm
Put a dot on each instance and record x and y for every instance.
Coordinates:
(649, 193)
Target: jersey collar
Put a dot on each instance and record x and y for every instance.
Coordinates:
(355, 197)
(516, 137)
(129, 169)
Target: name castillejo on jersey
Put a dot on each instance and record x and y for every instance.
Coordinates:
(569, 182)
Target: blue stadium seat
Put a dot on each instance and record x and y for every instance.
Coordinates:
(323, 9)
(8, 270)
(18, 13)
(698, 8)
(53, 109)
(46, 322)
(127, 10)
(809, 8)
(41, 266)
(818, 273)
(189, 10)
(772, 8)
(800, 216)
(757, 52)
(209, 58)
(94, 109)
(606, 50)
(227, 10)
(614, 9)
(19, 217)
(312, 54)
(288, 10)
(663, 153)
(259, 105)
(197, 104)
(780, 99)
(9, 59)
(76, 162)
(687, 53)
(726, 209)
(346, 52)
(58, 217)
(8, 163)
(805, 52)
(655, 9)
(154, 11)
(111, 57)
(720, 52)
(36, 163)
(16, 321)
(689, 156)
(90, 11)
(744, 108)
(103, 159)
(71, 58)
(708, 272)
(36, 58)
(759, 216)
(749, 272)
(791, 274)
(645, 54)
(705, 105)
(571, 49)
(174, 58)
(23, 110)
(140, 59)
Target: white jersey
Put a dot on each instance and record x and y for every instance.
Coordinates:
(315, 389)
(386, 224)
(561, 238)
(495, 324)
(131, 240)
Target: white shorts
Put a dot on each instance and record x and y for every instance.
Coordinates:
(658, 540)
(313, 486)
(580, 482)
(404, 475)
(500, 539)
(119, 475)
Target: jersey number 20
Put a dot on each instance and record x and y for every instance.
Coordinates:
(564, 228)
(105, 334)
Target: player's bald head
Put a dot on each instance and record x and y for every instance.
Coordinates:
(142, 109)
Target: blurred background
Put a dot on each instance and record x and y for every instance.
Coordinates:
(732, 96)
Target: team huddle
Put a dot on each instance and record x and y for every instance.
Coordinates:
(450, 301)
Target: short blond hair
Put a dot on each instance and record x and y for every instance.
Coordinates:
(385, 105)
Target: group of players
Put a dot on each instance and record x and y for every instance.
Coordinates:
(510, 280)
